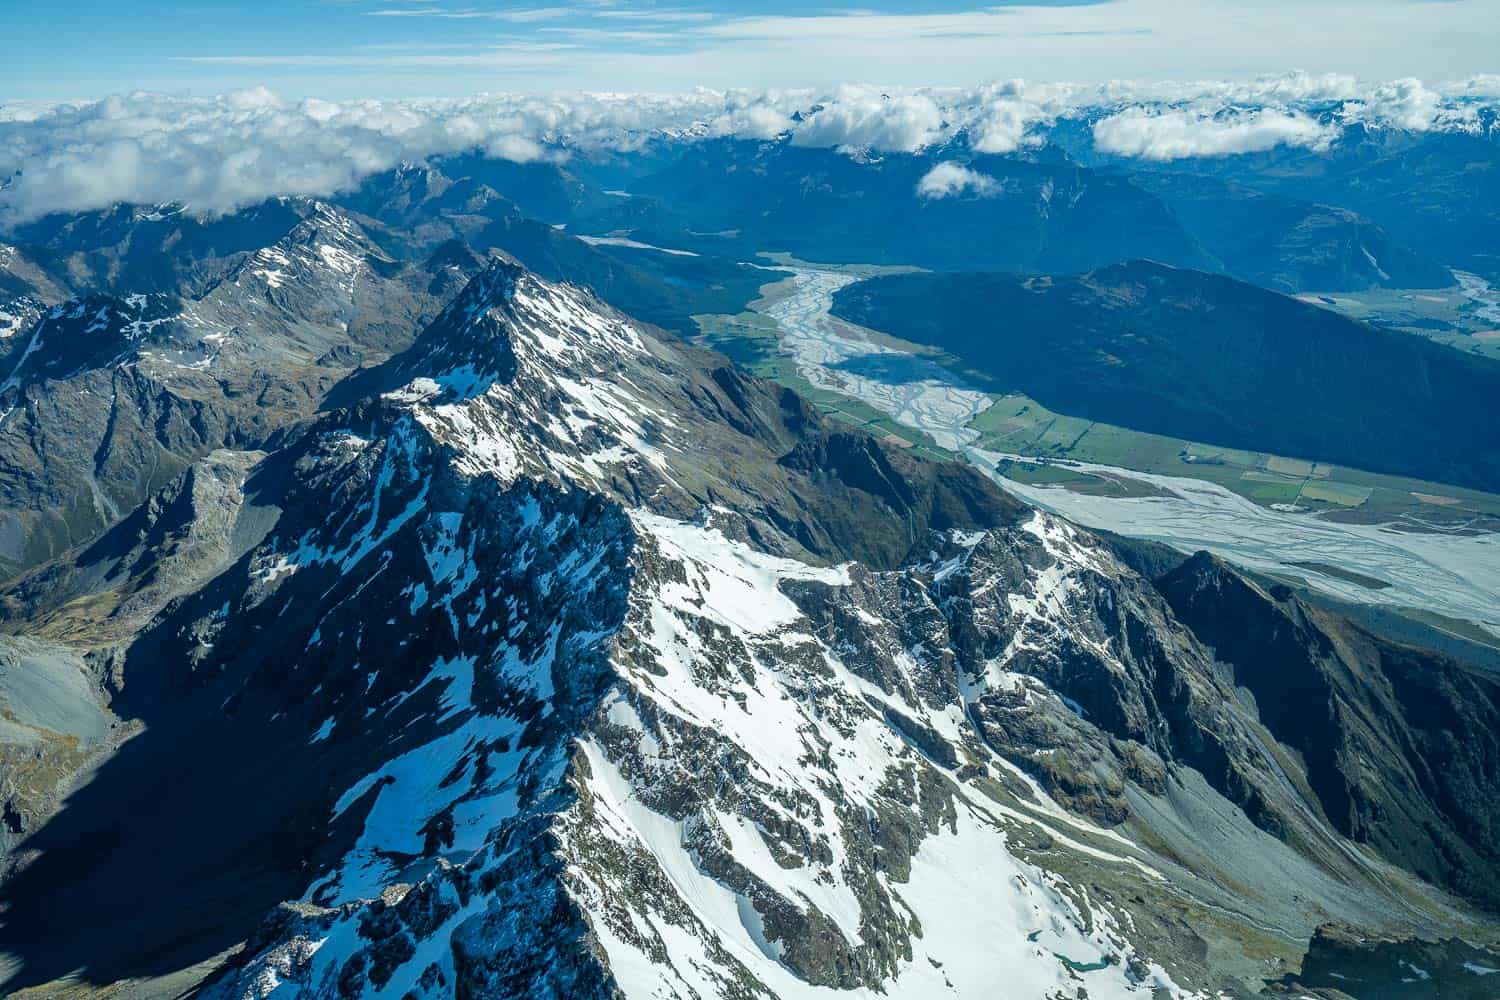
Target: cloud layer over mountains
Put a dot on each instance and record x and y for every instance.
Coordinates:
(218, 153)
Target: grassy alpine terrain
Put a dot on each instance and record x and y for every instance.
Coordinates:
(1184, 353)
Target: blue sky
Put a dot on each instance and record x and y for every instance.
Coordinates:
(392, 48)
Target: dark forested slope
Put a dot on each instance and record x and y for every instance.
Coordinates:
(1182, 352)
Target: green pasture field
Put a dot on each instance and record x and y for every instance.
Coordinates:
(1019, 425)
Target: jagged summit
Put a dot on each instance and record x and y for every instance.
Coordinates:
(468, 346)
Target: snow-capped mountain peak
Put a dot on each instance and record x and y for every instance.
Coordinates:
(635, 755)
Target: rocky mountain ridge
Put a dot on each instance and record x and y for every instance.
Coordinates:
(106, 397)
(562, 659)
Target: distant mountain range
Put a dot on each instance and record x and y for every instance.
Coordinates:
(1436, 192)
(1292, 220)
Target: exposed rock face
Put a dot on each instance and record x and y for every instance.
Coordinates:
(53, 722)
(1398, 743)
(161, 248)
(565, 661)
(181, 537)
(107, 397)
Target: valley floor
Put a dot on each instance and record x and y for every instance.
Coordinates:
(1441, 564)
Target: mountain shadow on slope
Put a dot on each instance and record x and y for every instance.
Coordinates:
(1398, 742)
(1343, 961)
(1194, 355)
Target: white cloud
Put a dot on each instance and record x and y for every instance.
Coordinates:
(517, 16)
(1481, 86)
(223, 152)
(761, 120)
(1280, 90)
(242, 147)
(515, 148)
(950, 180)
(677, 16)
(1003, 129)
(1402, 104)
(1008, 113)
(861, 118)
(1178, 134)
